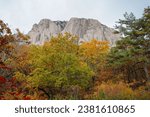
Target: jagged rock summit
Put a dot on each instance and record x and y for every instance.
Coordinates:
(85, 29)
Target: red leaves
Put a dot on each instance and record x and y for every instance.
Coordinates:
(12, 80)
(11, 93)
(27, 98)
(10, 90)
(4, 67)
(2, 80)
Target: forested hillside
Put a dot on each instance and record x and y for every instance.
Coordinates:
(63, 68)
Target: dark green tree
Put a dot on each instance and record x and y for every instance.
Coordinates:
(131, 56)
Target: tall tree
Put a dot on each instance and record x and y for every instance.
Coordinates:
(56, 67)
(8, 45)
(6, 39)
(131, 54)
(94, 53)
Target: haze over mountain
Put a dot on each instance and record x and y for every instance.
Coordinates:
(85, 29)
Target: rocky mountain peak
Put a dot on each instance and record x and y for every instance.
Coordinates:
(85, 29)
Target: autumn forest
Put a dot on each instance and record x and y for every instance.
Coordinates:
(64, 69)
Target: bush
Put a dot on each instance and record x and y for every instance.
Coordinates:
(120, 91)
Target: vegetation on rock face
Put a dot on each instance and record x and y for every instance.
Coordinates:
(64, 69)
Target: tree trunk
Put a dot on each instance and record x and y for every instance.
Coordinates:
(146, 72)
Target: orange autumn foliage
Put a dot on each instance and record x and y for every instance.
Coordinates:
(94, 53)
(93, 48)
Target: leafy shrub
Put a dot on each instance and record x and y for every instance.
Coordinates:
(119, 91)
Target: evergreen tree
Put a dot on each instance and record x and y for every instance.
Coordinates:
(131, 54)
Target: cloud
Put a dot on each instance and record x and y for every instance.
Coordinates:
(23, 14)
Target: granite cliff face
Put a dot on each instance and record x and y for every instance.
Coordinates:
(45, 29)
(85, 29)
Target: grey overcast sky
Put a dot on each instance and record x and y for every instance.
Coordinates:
(23, 14)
